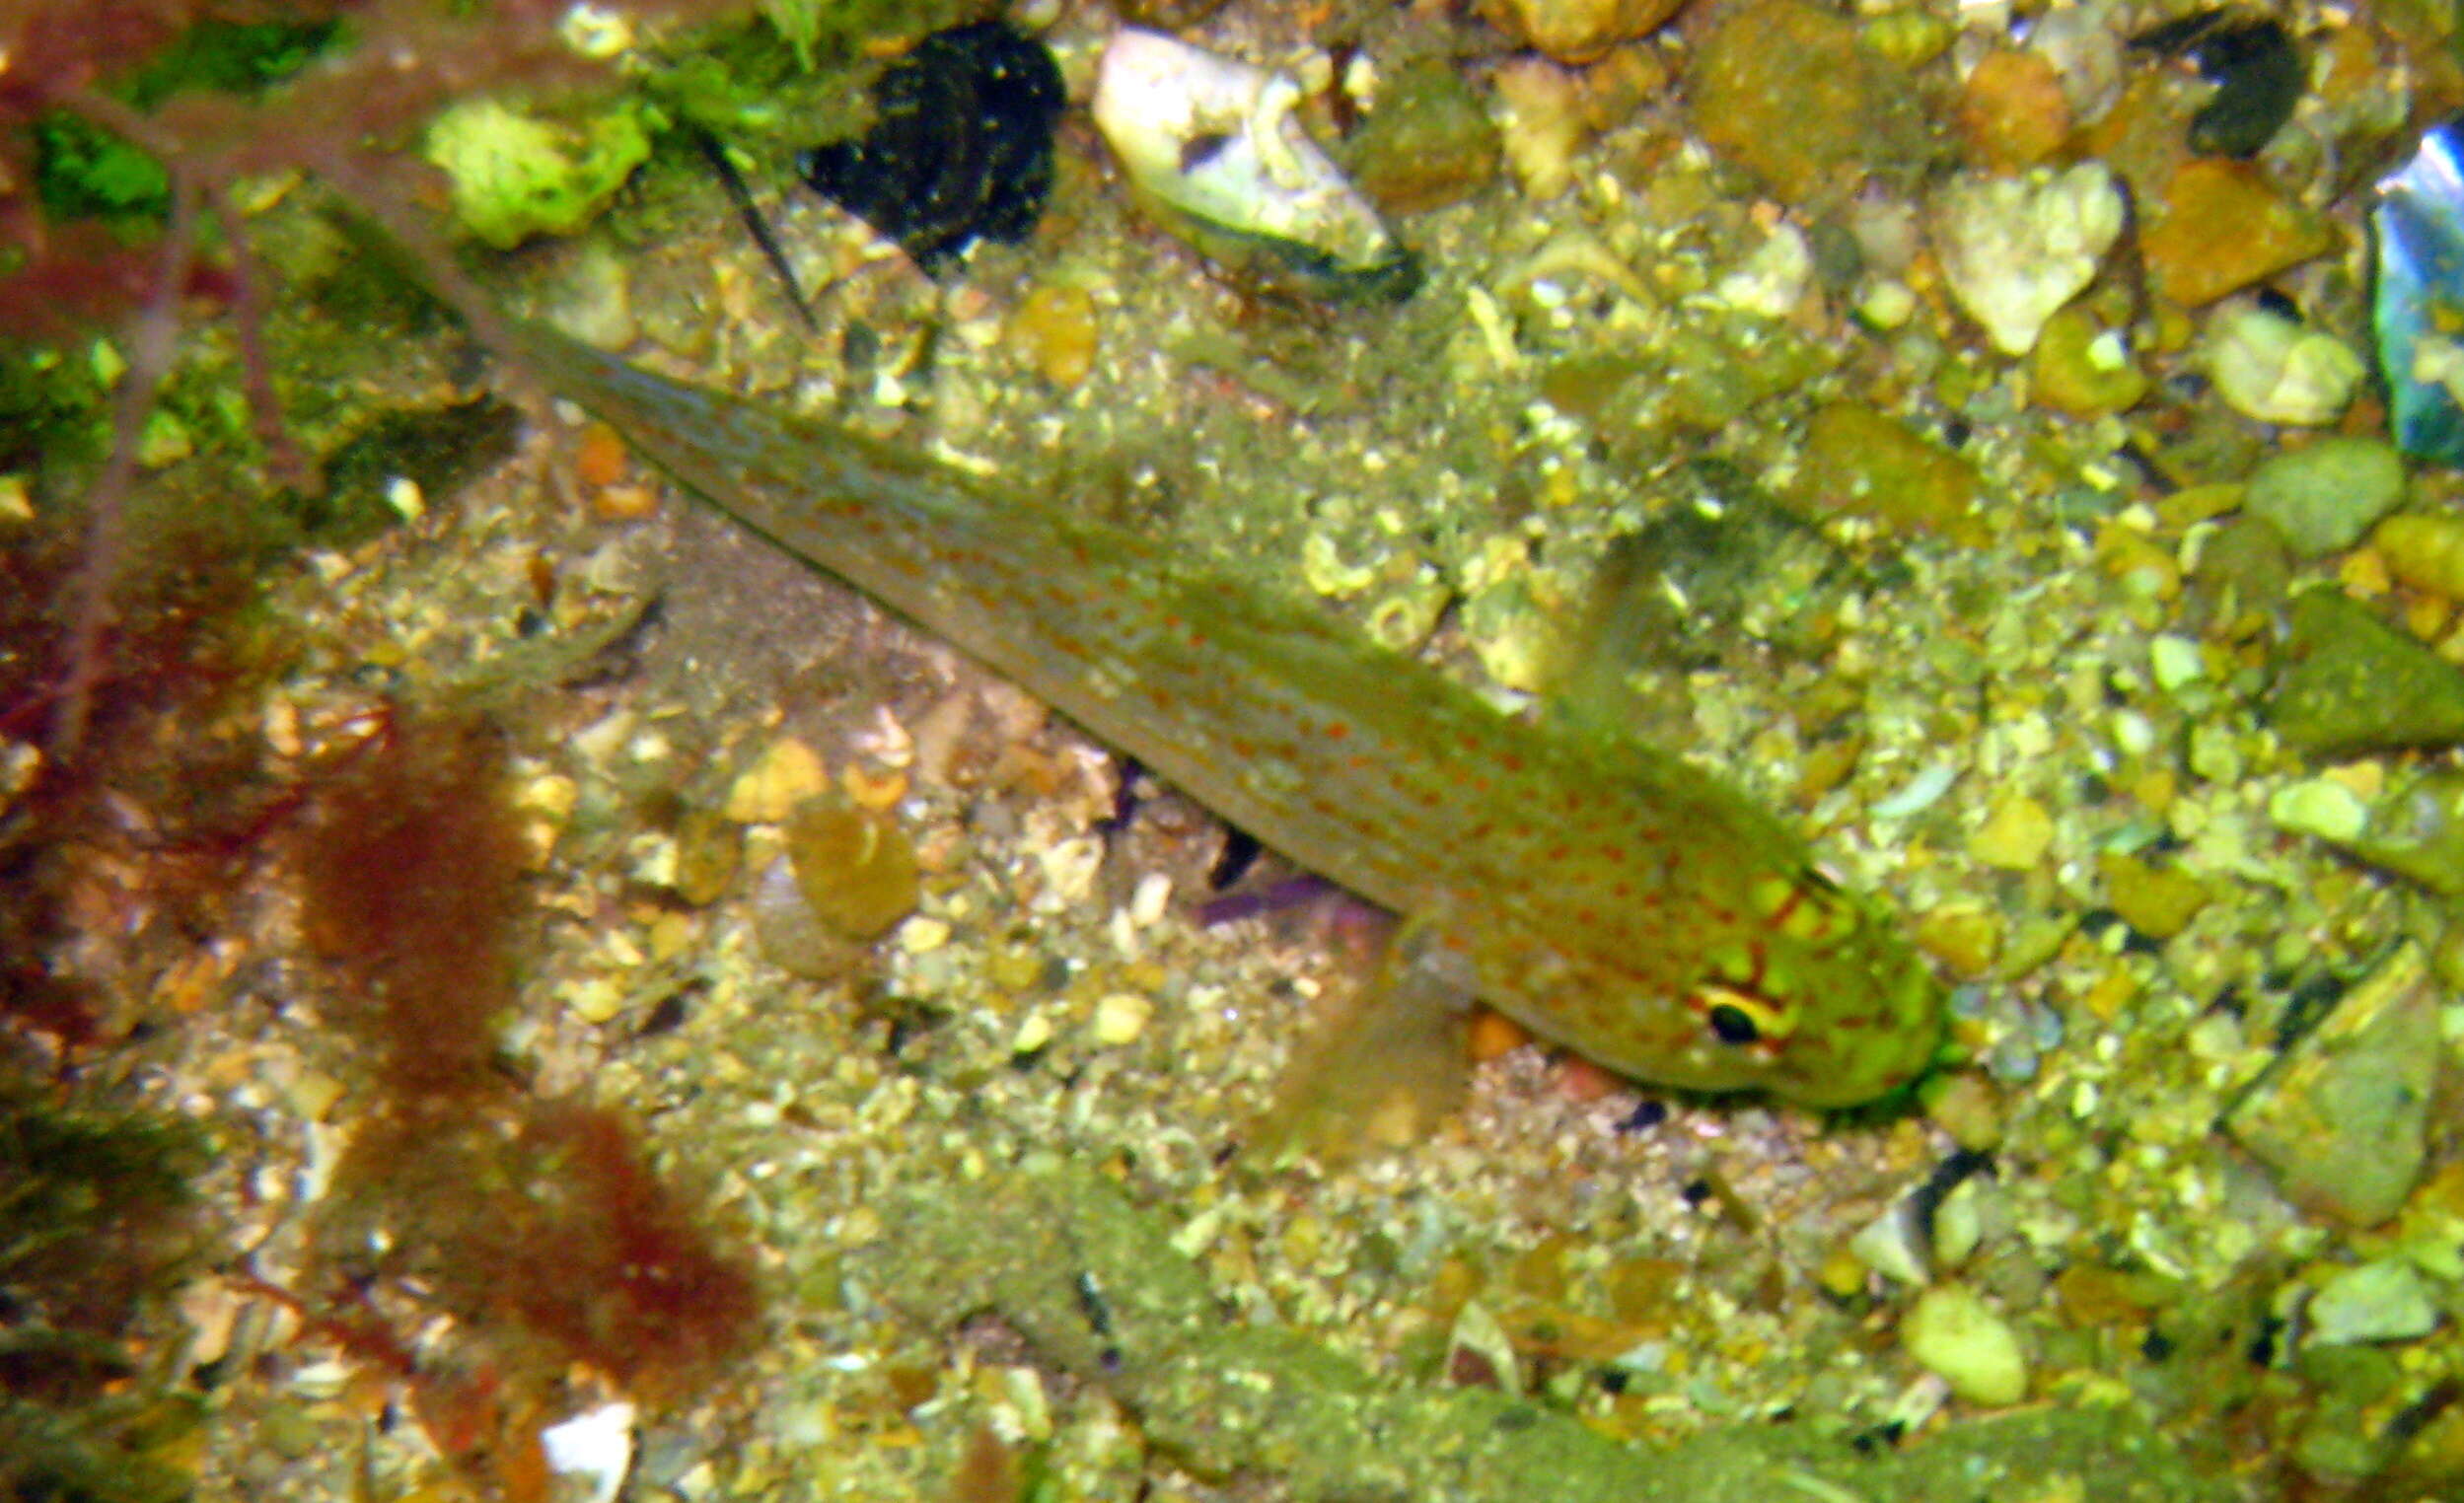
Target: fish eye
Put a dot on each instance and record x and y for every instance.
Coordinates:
(1731, 1024)
(1743, 1018)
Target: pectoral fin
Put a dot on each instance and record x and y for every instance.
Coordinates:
(1380, 1069)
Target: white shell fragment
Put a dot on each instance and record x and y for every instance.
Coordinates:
(1211, 145)
(596, 1445)
(2277, 369)
(2015, 249)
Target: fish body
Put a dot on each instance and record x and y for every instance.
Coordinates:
(1610, 896)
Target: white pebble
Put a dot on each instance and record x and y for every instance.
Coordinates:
(2276, 370)
(1889, 1246)
(2383, 1301)
(2013, 250)
(596, 1445)
(1148, 903)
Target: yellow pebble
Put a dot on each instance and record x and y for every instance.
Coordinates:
(766, 792)
(2424, 551)
(922, 935)
(2155, 788)
(2159, 902)
(1965, 937)
(1055, 327)
(855, 867)
(878, 792)
(2365, 572)
(2112, 993)
(2194, 504)
(1121, 1017)
(1841, 1274)
(2014, 836)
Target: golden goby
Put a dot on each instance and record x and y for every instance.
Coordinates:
(1610, 896)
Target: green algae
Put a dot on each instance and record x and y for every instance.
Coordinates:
(517, 174)
(1094, 1284)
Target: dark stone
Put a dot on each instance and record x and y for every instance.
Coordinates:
(960, 147)
(2255, 65)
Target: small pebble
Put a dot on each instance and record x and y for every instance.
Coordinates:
(600, 458)
(1890, 1246)
(2276, 370)
(855, 866)
(2325, 496)
(2321, 807)
(1148, 903)
(595, 1448)
(2424, 551)
(765, 793)
(2084, 369)
(1954, 1334)
(922, 935)
(2382, 1301)
(1033, 1034)
(2012, 113)
(1121, 1016)
(1576, 30)
(2221, 226)
(1958, 1225)
(1793, 93)
(1964, 936)
(594, 999)
(1542, 123)
(2014, 836)
(2174, 662)
(1968, 1109)
(1055, 327)
(2017, 248)
(2159, 902)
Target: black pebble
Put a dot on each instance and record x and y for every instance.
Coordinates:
(2257, 69)
(960, 147)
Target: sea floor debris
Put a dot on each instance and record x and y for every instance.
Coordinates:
(1036, 1247)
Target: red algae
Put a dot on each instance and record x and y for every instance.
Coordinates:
(161, 808)
(543, 1223)
(539, 1222)
(411, 869)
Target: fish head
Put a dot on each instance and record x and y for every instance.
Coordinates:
(1816, 999)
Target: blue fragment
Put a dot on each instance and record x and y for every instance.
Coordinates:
(2417, 312)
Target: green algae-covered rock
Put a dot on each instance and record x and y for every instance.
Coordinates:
(2348, 681)
(517, 174)
(1792, 93)
(2343, 1120)
(1429, 143)
(2325, 496)
(1865, 464)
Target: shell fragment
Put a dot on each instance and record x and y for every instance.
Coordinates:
(1214, 151)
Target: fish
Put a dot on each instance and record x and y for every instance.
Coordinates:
(1610, 896)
